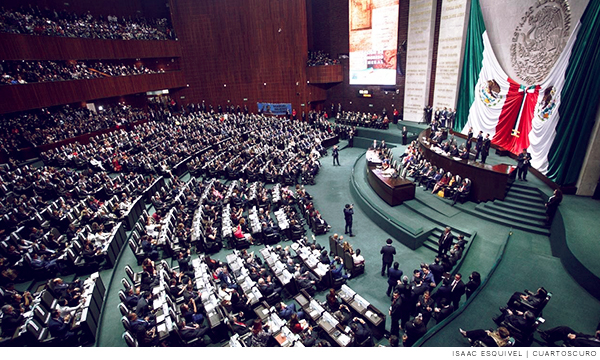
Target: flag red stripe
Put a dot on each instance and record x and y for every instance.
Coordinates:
(508, 116)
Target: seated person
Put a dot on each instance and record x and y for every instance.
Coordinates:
(522, 302)
(190, 316)
(238, 326)
(434, 179)
(266, 287)
(59, 327)
(325, 258)
(570, 337)
(358, 259)
(332, 301)
(498, 338)
(144, 330)
(191, 332)
(442, 183)
(343, 315)
(295, 325)
(361, 333)
(463, 189)
(413, 331)
(337, 272)
(287, 311)
(522, 321)
(11, 320)
(260, 334)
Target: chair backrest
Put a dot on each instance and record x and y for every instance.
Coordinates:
(122, 296)
(166, 266)
(129, 339)
(123, 309)
(35, 328)
(130, 273)
(41, 314)
(126, 284)
(133, 246)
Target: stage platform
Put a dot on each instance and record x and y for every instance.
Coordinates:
(573, 236)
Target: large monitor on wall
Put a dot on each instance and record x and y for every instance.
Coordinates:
(373, 42)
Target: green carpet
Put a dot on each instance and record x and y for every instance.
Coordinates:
(527, 264)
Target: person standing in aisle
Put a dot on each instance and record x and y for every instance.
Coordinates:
(387, 258)
(348, 212)
(336, 155)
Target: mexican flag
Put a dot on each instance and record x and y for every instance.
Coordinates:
(518, 116)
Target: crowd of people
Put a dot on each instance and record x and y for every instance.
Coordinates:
(25, 72)
(46, 126)
(319, 58)
(363, 119)
(418, 299)
(35, 21)
(444, 117)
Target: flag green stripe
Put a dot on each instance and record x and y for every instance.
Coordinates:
(472, 64)
(579, 102)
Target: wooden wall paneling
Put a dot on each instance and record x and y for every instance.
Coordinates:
(239, 43)
(32, 47)
(325, 74)
(37, 95)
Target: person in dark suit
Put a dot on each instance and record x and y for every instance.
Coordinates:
(336, 155)
(404, 135)
(436, 270)
(442, 312)
(238, 326)
(59, 327)
(523, 164)
(142, 309)
(394, 276)
(10, 321)
(485, 149)
(387, 258)
(473, 284)
(192, 332)
(479, 144)
(361, 333)
(144, 331)
(457, 289)
(552, 205)
(395, 313)
(445, 241)
(348, 212)
(464, 188)
(413, 331)
(131, 299)
(570, 337)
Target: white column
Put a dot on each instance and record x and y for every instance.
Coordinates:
(419, 53)
(453, 26)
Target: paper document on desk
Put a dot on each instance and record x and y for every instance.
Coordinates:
(344, 339)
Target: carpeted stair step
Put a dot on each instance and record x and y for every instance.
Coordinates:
(431, 243)
(515, 214)
(533, 208)
(514, 219)
(524, 191)
(432, 240)
(518, 200)
(499, 220)
(529, 197)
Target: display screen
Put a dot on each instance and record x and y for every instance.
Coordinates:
(373, 42)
